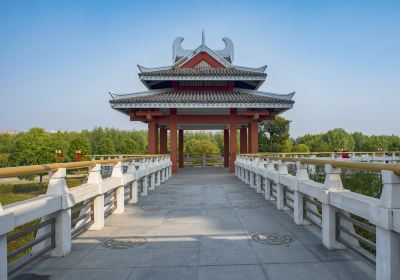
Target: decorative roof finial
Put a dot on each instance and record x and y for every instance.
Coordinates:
(203, 38)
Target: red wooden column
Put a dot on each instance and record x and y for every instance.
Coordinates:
(180, 141)
(226, 147)
(163, 140)
(254, 136)
(232, 140)
(243, 140)
(152, 137)
(156, 139)
(249, 138)
(172, 139)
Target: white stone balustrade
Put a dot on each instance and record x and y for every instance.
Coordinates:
(333, 196)
(59, 200)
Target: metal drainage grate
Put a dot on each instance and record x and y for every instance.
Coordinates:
(32, 276)
(246, 205)
(155, 207)
(273, 238)
(124, 242)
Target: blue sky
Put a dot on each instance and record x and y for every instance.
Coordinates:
(58, 59)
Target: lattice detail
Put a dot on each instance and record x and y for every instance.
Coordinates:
(202, 64)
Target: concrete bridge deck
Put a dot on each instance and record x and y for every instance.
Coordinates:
(200, 233)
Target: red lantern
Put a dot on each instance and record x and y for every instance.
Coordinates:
(59, 154)
(78, 155)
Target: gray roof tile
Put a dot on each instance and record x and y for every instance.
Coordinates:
(202, 97)
(202, 72)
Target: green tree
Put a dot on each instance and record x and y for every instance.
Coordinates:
(273, 133)
(300, 148)
(375, 143)
(314, 142)
(359, 140)
(393, 143)
(33, 147)
(6, 141)
(105, 146)
(78, 141)
(201, 146)
(338, 138)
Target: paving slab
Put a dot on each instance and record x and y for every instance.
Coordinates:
(203, 231)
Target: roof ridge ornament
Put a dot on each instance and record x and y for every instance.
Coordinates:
(177, 50)
(227, 52)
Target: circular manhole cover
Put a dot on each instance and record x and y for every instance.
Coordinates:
(155, 207)
(124, 242)
(273, 238)
(245, 205)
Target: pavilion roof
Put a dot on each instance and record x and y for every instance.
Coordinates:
(168, 98)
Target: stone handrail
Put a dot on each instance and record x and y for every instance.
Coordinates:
(7, 172)
(386, 156)
(368, 166)
(260, 172)
(59, 199)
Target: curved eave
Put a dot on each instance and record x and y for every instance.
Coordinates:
(269, 105)
(288, 96)
(202, 78)
(143, 69)
(250, 69)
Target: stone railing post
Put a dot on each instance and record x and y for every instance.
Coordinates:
(158, 164)
(98, 203)
(312, 168)
(58, 187)
(254, 164)
(280, 192)
(120, 191)
(260, 165)
(6, 225)
(247, 164)
(387, 240)
(145, 180)
(165, 172)
(267, 181)
(241, 170)
(161, 167)
(236, 166)
(245, 174)
(134, 187)
(169, 171)
(240, 175)
(333, 182)
(298, 202)
(152, 174)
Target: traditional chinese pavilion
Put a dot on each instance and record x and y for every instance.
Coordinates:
(202, 90)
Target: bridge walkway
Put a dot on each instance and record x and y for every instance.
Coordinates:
(200, 227)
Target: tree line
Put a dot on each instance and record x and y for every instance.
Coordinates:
(37, 146)
(274, 136)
